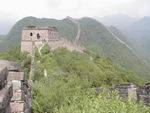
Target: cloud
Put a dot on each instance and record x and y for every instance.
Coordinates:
(17, 9)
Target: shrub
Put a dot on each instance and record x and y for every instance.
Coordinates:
(45, 49)
(31, 26)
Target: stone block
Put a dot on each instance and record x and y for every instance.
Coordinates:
(147, 99)
(29, 93)
(17, 107)
(27, 111)
(123, 95)
(7, 110)
(141, 91)
(11, 66)
(30, 83)
(132, 93)
(17, 85)
(28, 103)
(5, 95)
(18, 96)
(16, 76)
(2, 110)
(3, 75)
(25, 88)
(147, 88)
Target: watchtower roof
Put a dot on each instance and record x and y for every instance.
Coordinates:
(51, 28)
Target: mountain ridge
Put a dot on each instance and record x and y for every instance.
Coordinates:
(120, 20)
(93, 36)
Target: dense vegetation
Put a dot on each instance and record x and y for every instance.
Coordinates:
(14, 54)
(72, 77)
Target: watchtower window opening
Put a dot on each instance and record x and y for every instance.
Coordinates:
(31, 34)
(38, 36)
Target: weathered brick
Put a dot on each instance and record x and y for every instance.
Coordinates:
(5, 95)
(11, 66)
(147, 88)
(3, 75)
(7, 110)
(18, 96)
(17, 107)
(126, 90)
(16, 76)
(132, 93)
(17, 85)
(25, 89)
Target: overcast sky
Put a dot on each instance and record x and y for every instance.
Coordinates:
(17, 9)
(13, 10)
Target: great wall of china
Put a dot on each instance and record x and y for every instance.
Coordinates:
(141, 93)
(16, 90)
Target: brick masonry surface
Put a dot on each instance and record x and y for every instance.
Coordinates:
(15, 89)
(141, 93)
(46, 35)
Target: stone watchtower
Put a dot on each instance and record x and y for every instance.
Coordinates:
(36, 36)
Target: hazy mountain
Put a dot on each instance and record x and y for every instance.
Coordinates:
(94, 36)
(120, 34)
(140, 30)
(1, 37)
(5, 26)
(131, 44)
(139, 34)
(120, 20)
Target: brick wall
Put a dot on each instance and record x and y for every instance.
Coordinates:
(141, 93)
(46, 36)
(15, 92)
(65, 43)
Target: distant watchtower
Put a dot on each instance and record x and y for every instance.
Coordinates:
(37, 36)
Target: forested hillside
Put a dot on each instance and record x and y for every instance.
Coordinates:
(121, 36)
(71, 81)
(139, 34)
(94, 36)
(66, 28)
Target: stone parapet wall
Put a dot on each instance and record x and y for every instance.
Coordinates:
(5, 97)
(6, 90)
(126, 90)
(26, 46)
(65, 43)
(143, 93)
(15, 93)
(3, 75)
(140, 94)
